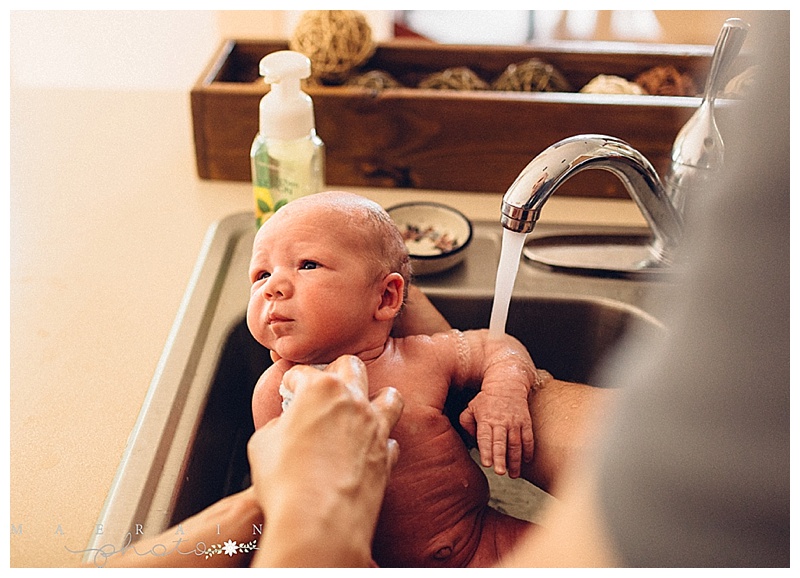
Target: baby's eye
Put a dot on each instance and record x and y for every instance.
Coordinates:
(308, 265)
(263, 275)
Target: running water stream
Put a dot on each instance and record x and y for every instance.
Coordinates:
(507, 268)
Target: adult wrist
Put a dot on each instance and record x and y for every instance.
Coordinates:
(295, 540)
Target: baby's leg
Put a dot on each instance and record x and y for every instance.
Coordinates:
(499, 534)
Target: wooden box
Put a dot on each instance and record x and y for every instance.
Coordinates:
(448, 139)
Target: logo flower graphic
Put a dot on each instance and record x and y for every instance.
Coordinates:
(230, 548)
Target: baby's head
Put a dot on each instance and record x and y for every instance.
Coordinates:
(329, 273)
(340, 212)
(383, 245)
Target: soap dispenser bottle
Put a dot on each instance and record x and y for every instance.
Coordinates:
(287, 159)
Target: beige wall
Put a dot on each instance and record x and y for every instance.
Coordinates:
(281, 23)
(678, 26)
(696, 26)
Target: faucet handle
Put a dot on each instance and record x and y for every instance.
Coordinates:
(729, 43)
(698, 150)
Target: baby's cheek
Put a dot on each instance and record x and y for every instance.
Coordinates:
(254, 324)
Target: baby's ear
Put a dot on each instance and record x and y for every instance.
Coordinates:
(392, 288)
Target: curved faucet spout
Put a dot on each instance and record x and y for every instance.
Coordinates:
(523, 202)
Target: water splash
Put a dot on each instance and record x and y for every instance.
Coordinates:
(504, 284)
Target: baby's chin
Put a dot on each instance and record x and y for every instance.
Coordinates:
(299, 357)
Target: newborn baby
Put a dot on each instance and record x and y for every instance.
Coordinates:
(329, 275)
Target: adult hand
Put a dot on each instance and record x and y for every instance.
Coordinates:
(320, 470)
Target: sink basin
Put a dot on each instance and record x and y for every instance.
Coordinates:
(601, 254)
(188, 447)
(569, 338)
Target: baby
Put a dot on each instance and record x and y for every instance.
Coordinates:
(329, 274)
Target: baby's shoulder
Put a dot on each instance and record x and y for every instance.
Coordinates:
(449, 338)
(439, 347)
(274, 373)
(268, 385)
(441, 339)
(266, 401)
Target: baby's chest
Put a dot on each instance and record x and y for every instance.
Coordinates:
(423, 389)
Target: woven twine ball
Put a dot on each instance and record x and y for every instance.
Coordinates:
(532, 75)
(374, 79)
(666, 81)
(611, 84)
(743, 83)
(458, 78)
(335, 41)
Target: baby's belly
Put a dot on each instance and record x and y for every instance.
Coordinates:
(434, 503)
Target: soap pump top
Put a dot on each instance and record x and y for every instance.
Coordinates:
(285, 112)
(287, 158)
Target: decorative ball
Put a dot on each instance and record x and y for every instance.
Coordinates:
(532, 75)
(374, 79)
(335, 41)
(666, 81)
(458, 78)
(611, 84)
(743, 83)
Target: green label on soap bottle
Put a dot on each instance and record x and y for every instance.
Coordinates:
(265, 207)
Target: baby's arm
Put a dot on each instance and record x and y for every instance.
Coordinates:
(498, 416)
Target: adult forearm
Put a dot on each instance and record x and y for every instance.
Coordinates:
(236, 519)
(320, 470)
(332, 539)
(566, 418)
(572, 533)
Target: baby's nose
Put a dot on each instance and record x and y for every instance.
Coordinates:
(276, 287)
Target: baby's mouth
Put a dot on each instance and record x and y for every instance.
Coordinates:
(276, 319)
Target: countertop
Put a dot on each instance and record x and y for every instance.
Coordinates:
(107, 219)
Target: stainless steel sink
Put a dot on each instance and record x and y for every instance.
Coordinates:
(187, 449)
(626, 256)
(568, 336)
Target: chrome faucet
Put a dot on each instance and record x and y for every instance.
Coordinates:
(523, 202)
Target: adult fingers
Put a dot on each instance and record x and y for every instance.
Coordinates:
(354, 373)
(388, 406)
(347, 372)
(388, 403)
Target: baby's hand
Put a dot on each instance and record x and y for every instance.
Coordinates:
(500, 421)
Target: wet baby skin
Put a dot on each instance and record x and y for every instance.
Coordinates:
(324, 285)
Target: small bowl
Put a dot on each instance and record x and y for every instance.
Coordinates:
(437, 236)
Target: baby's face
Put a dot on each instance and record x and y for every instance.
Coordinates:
(312, 292)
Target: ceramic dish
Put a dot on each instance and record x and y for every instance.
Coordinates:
(437, 236)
